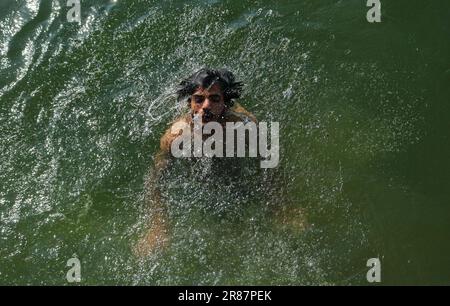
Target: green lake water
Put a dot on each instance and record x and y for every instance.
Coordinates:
(364, 112)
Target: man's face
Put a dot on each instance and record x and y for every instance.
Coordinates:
(208, 103)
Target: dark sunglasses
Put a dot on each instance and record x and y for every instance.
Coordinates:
(200, 99)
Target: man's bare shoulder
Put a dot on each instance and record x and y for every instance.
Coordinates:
(238, 113)
(170, 134)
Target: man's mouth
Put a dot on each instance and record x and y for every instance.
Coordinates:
(207, 116)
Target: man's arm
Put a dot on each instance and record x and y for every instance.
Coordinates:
(157, 235)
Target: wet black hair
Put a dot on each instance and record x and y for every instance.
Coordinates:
(206, 78)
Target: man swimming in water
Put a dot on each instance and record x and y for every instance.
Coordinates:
(210, 95)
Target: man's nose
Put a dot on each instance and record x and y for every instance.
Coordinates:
(206, 104)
